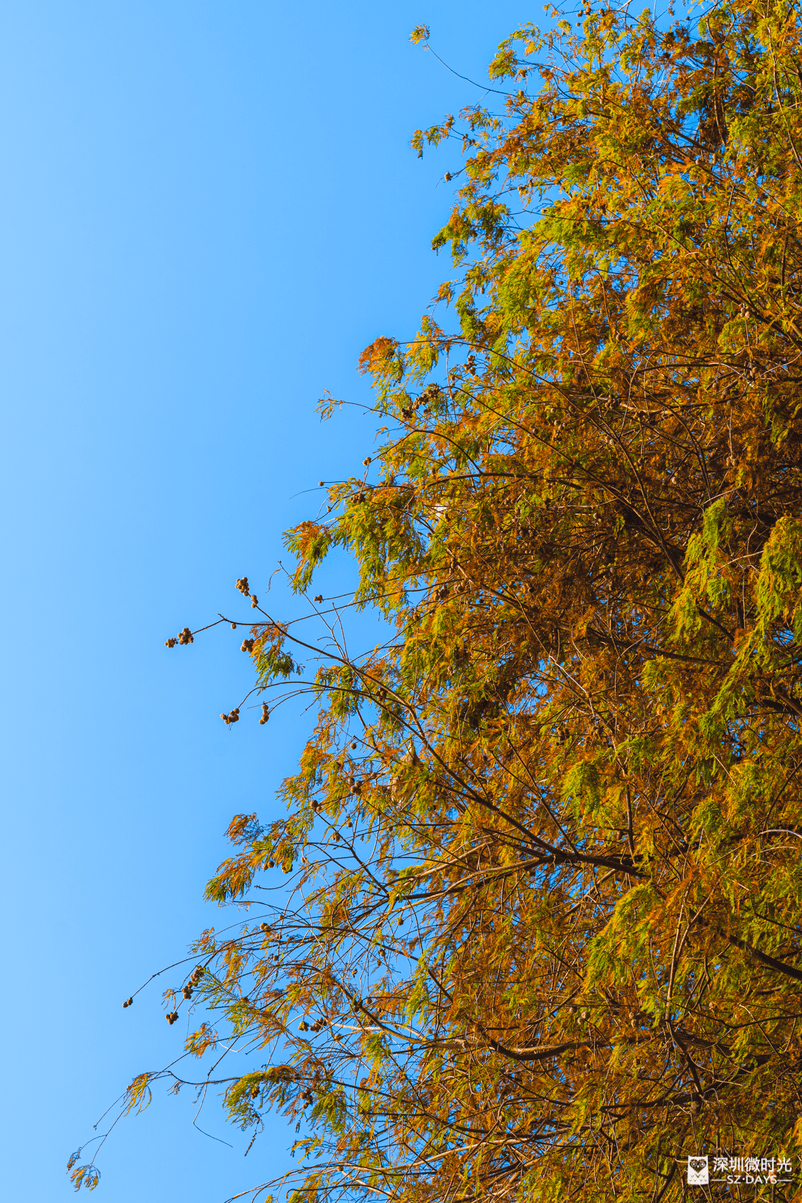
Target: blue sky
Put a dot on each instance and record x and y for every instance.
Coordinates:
(208, 210)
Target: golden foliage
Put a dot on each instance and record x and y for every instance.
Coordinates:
(542, 937)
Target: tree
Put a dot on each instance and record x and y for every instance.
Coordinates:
(542, 937)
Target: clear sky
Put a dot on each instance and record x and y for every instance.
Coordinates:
(207, 211)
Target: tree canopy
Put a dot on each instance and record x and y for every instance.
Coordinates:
(543, 933)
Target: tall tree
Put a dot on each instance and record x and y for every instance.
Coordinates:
(544, 933)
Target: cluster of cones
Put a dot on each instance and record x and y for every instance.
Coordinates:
(182, 637)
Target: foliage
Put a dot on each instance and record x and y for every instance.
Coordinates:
(543, 932)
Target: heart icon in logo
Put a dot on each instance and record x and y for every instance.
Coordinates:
(696, 1163)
